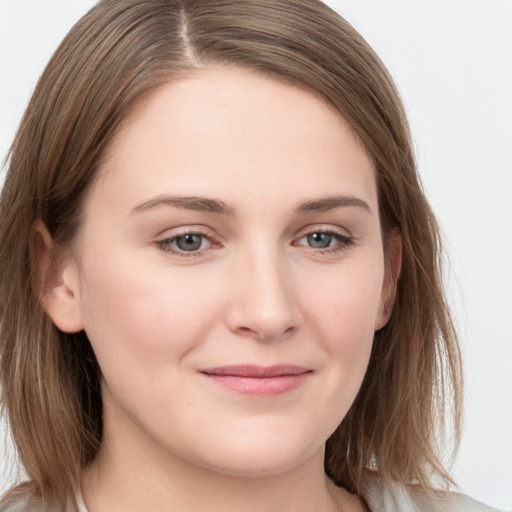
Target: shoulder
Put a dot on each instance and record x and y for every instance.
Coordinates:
(395, 497)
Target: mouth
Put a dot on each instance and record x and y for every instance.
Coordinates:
(264, 381)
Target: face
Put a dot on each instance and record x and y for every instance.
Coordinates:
(229, 274)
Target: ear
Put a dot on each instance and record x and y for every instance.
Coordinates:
(393, 264)
(57, 280)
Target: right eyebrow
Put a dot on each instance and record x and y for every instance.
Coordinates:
(199, 204)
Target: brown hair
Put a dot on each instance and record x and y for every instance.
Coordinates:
(116, 54)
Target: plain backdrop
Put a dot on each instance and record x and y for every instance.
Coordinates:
(452, 61)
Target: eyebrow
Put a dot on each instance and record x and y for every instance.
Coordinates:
(331, 203)
(219, 207)
(199, 204)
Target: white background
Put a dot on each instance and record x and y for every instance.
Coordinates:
(452, 60)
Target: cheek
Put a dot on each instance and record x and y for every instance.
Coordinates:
(133, 315)
(343, 312)
(340, 314)
(347, 302)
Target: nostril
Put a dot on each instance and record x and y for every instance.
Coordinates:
(289, 331)
(247, 330)
(266, 334)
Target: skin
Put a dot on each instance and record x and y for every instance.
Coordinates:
(254, 291)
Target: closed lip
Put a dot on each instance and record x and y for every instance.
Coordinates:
(258, 381)
(256, 372)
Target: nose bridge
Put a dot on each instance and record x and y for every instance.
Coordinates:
(264, 304)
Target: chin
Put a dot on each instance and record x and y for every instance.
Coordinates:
(257, 457)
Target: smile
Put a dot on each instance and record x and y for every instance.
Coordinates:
(259, 380)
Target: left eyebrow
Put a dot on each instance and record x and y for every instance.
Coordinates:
(331, 203)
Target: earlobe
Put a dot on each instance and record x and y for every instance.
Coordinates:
(56, 281)
(393, 266)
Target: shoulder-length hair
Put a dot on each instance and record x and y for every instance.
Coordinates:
(118, 53)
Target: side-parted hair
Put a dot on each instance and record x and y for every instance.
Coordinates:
(117, 54)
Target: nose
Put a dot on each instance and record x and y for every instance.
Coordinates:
(264, 304)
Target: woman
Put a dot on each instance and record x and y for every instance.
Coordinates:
(220, 284)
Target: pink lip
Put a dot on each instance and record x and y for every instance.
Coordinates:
(259, 380)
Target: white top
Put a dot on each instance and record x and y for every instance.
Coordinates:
(400, 498)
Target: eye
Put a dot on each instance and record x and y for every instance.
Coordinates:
(190, 242)
(186, 244)
(326, 241)
(319, 240)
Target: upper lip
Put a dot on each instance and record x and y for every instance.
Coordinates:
(255, 371)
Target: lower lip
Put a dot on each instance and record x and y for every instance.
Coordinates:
(260, 386)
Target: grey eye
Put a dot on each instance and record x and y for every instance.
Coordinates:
(189, 242)
(319, 240)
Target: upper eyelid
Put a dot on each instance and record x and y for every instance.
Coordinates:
(171, 234)
(176, 232)
(342, 238)
(185, 230)
(324, 228)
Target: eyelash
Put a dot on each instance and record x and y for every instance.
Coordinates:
(344, 242)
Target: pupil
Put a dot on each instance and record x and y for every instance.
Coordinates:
(189, 242)
(319, 240)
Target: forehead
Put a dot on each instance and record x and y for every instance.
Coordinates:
(235, 133)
